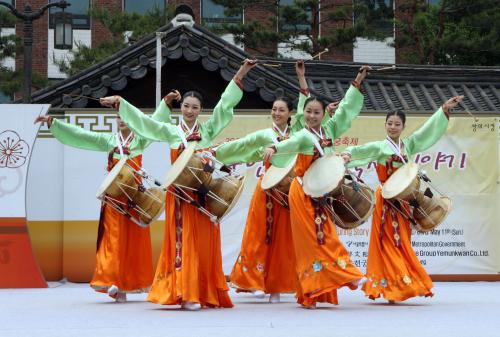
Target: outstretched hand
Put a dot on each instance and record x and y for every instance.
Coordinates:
(268, 153)
(362, 73)
(174, 95)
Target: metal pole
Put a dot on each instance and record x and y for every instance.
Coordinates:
(27, 57)
(159, 36)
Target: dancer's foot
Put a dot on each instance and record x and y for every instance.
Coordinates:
(310, 307)
(191, 306)
(259, 294)
(121, 297)
(274, 298)
(391, 301)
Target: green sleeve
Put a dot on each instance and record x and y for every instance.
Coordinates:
(428, 134)
(298, 124)
(223, 111)
(145, 127)
(161, 114)
(78, 137)
(348, 109)
(363, 154)
(286, 150)
(245, 150)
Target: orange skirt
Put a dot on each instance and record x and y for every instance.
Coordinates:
(267, 260)
(393, 272)
(190, 264)
(124, 255)
(321, 268)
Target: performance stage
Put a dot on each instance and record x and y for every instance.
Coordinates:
(457, 309)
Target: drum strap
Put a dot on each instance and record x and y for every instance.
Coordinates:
(178, 233)
(320, 218)
(396, 148)
(269, 219)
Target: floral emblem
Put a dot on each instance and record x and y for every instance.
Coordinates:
(341, 263)
(374, 284)
(407, 280)
(383, 282)
(317, 266)
(13, 150)
(260, 267)
(245, 269)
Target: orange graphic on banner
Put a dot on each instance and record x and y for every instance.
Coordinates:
(18, 267)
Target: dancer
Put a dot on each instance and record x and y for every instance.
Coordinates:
(322, 263)
(124, 262)
(189, 271)
(393, 269)
(266, 263)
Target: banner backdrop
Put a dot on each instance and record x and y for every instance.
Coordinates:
(464, 165)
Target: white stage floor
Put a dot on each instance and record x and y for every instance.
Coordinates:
(457, 309)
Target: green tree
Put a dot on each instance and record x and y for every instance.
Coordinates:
(11, 81)
(125, 29)
(451, 32)
(296, 25)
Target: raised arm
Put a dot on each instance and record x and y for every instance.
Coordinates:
(433, 129)
(245, 150)
(146, 127)
(223, 111)
(299, 142)
(349, 107)
(300, 70)
(78, 137)
(364, 154)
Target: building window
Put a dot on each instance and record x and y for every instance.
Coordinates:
(79, 11)
(7, 20)
(379, 15)
(143, 6)
(213, 14)
(288, 10)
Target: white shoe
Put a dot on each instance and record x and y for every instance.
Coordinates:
(360, 282)
(259, 294)
(121, 297)
(112, 291)
(274, 298)
(191, 306)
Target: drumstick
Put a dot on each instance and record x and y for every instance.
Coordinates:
(393, 67)
(88, 97)
(470, 113)
(326, 50)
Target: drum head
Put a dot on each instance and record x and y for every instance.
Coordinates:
(111, 177)
(235, 199)
(180, 164)
(324, 175)
(399, 180)
(274, 175)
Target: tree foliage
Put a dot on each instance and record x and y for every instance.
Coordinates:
(125, 29)
(451, 32)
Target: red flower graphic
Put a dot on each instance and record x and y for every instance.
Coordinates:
(13, 150)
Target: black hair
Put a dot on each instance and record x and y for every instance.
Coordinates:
(317, 99)
(289, 105)
(194, 94)
(398, 113)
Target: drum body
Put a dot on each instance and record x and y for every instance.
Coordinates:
(429, 208)
(276, 182)
(124, 189)
(352, 202)
(119, 181)
(223, 194)
(349, 202)
(193, 173)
